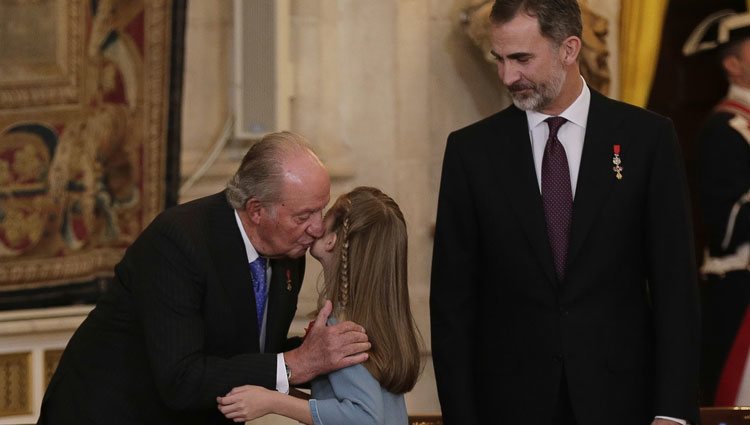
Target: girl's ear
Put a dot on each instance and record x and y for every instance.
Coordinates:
(329, 241)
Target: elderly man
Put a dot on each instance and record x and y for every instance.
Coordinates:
(203, 300)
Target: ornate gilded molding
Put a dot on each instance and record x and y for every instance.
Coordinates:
(53, 78)
(156, 94)
(83, 266)
(15, 384)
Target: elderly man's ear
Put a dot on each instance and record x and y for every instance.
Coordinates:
(253, 208)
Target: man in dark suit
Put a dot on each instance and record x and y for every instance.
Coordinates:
(563, 280)
(180, 325)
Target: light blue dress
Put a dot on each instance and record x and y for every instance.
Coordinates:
(352, 396)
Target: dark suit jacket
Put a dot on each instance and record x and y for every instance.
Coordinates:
(622, 326)
(176, 329)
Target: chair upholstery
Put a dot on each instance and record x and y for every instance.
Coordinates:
(426, 420)
(725, 416)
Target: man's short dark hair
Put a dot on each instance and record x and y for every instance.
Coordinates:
(558, 19)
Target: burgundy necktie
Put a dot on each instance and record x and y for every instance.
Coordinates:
(557, 195)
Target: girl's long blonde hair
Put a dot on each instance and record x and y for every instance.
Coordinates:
(367, 283)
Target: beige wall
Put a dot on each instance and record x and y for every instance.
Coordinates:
(379, 85)
(207, 76)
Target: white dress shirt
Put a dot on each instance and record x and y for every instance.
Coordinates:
(282, 383)
(571, 136)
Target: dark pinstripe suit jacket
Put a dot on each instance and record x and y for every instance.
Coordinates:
(176, 329)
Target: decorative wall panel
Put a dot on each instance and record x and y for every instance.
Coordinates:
(15, 384)
(51, 360)
(84, 104)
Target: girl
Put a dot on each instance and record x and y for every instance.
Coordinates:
(363, 253)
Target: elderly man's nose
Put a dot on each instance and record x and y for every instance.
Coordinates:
(316, 229)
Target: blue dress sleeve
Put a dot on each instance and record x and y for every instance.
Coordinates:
(358, 399)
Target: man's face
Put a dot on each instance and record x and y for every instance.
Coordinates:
(528, 64)
(742, 69)
(289, 227)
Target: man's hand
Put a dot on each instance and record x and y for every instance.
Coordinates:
(327, 348)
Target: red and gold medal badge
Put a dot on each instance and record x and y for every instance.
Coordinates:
(617, 162)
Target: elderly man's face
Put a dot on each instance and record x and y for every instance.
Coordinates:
(289, 227)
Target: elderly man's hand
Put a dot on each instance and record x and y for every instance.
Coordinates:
(327, 348)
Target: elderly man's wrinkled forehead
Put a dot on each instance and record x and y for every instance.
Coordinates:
(303, 175)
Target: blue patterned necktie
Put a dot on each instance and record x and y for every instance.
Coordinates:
(258, 272)
(557, 196)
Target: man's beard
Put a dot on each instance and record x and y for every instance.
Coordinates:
(541, 95)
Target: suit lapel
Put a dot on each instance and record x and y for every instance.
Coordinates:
(282, 296)
(595, 177)
(523, 187)
(233, 272)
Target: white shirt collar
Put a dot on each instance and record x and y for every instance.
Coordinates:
(252, 254)
(738, 93)
(571, 136)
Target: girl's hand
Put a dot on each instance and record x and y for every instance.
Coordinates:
(245, 403)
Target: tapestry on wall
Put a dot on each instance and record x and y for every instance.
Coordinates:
(84, 118)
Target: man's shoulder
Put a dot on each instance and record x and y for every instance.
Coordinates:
(489, 129)
(505, 116)
(626, 111)
(722, 127)
(196, 206)
(719, 119)
(194, 215)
